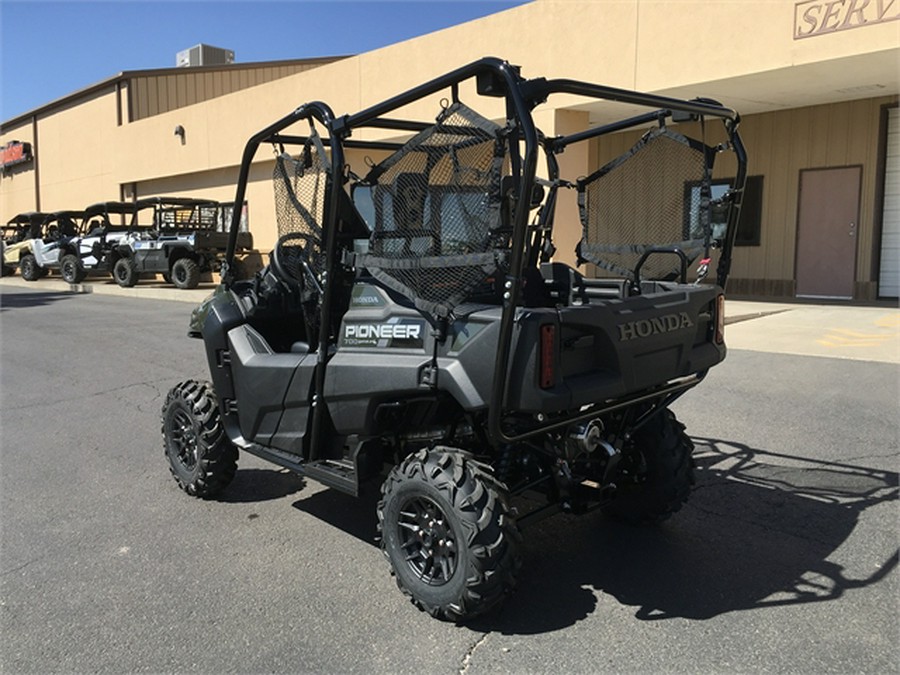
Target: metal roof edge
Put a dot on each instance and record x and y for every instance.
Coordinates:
(126, 75)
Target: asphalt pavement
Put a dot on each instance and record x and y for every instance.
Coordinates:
(783, 561)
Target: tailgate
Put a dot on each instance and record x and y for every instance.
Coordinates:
(218, 241)
(612, 349)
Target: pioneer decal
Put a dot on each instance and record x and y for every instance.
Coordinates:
(660, 324)
(395, 333)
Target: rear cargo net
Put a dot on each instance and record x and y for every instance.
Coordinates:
(197, 217)
(655, 196)
(437, 232)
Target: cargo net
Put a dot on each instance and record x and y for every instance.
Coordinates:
(300, 186)
(437, 233)
(655, 196)
(197, 217)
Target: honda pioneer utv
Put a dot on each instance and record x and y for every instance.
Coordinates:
(412, 328)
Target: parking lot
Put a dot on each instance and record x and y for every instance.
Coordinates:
(784, 560)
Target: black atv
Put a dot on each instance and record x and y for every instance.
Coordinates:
(412, 328)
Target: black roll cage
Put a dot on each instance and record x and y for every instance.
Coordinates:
(494, 78)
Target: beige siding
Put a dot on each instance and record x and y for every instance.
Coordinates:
(155, 94)
(780, 145)
(77, 168)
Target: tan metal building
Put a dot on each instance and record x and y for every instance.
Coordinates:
(816, 82)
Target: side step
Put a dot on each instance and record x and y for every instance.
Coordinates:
(337, 474)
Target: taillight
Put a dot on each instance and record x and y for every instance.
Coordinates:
(720, 319)
(548, 356)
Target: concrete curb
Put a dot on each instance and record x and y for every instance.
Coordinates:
(150, 289)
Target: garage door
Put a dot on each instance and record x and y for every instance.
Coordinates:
(889, 275)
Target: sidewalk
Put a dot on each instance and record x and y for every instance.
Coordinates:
(834, 331)
(830, 330)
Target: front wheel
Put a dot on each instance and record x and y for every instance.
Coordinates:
(29, 268)
(71, 270)
(202, 458)
(125, 272)
(448, 533)
(656, 474)
(185, 273)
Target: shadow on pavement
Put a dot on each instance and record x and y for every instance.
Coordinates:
(30, 299)
(760, 531)
(354, 515)
(261, 485)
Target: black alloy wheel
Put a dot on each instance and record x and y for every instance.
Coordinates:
(449, 534)
(71, 270)
(28, 268)
(202, 458)
(428, 541)
(125, 272)
(185, 273)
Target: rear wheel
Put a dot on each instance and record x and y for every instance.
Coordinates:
(657, 472)
(29, 268)
(201, 457)
(185, 273)
(125, 272)
(448, 533)
(71, 270)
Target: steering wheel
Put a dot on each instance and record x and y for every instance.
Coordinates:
(287, 259)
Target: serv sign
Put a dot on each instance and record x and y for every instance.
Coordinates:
(819, 17)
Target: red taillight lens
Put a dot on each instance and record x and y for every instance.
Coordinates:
(720, 320)
(548, 356)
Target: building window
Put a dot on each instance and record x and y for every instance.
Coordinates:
(750, 223)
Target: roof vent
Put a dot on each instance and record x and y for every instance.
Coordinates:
(204, 55)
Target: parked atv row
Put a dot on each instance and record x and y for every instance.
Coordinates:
(179, 238)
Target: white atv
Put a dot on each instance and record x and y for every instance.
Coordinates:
(92, 252)
(42, 253)
(16, 238)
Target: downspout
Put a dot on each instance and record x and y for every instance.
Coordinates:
(36, 155)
